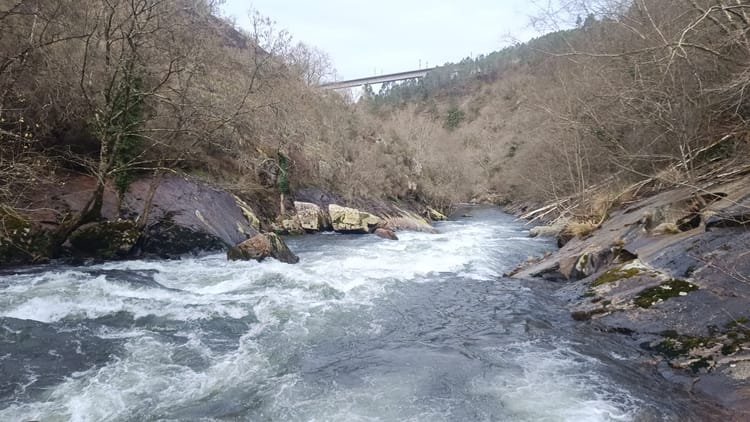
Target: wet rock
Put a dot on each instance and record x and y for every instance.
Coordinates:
(168, 239)
(666, 275)
(385, 233)
(187, 215)
(400, 219)
(350, 220)
(107, 240)
(260, 247)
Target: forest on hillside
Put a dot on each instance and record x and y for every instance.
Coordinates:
(119, 90)
(641, 95)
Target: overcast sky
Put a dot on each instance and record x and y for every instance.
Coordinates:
(386, 36)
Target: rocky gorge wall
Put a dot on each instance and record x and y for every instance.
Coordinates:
(186, 216)
(672, 273)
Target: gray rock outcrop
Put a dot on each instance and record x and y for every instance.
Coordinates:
(351, 220)
(260, 247)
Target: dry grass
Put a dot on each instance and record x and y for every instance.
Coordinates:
(580, 229)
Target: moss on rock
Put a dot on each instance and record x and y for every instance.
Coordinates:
(615, 274)
(669, 289)
(168, 239)
(109, 239)
(21, 241)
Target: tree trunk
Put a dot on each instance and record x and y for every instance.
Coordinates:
(142, 222)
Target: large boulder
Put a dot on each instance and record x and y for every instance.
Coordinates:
(385, 233)
(168, 239)
(351, 220)
(107, 240)
(190, 216)
(289, 226)
(260, 247)
(311, 218)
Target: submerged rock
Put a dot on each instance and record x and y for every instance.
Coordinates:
(260, 247)
(405, 220)
(385, 233)
(350, 220)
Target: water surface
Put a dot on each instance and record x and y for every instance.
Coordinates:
(363, 329)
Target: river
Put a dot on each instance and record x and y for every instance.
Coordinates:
(362, 329)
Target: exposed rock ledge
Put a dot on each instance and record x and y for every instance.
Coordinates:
(315, 210)
(186, 216)
(672, 272)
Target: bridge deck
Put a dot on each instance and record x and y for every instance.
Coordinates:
(392, 77)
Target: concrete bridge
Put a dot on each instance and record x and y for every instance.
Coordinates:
(392, 77)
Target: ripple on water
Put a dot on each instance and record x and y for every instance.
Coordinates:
(361, 329)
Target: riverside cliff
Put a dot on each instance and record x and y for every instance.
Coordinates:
(671, 272)
(179, 215)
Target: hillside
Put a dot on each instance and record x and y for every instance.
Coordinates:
(652, 93)
(633, 101)
(118, 92)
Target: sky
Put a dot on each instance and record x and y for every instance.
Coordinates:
(365, 38)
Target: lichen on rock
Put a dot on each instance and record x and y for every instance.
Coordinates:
(311, 218)
(351, 220)
(671, 288)
(21, 241)
(106, 240)
(619, 273)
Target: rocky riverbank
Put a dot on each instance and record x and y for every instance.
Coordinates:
(183, 215)
(672, 273)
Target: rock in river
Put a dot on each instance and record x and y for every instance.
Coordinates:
(385, 233)
(262, 246)
(351, 220)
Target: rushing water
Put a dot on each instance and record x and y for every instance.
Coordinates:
(363, 329)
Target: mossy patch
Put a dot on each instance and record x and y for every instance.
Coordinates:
(167, 239)
(669, 289)
(698, 353)
(109, 239)
(737, 334)
(615, 274)
(705, 362)
(735, 323)
(676, 347)
(21, 241)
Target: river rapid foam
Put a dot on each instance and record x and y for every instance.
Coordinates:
(362, 329)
